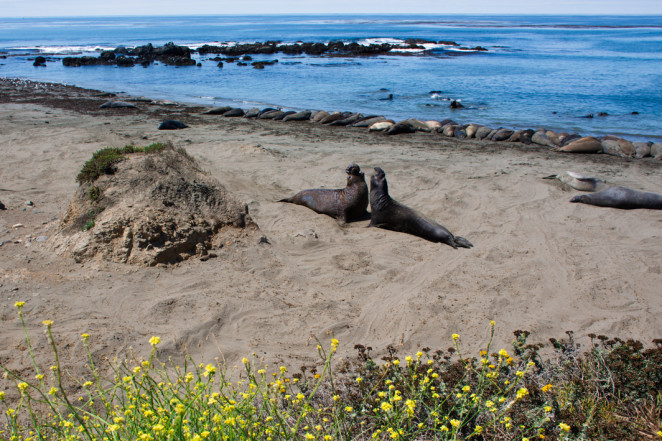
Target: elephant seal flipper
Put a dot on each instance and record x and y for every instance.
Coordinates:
(462, 242)
(346, 205)
(389, 214)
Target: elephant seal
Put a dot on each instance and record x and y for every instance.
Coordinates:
(319, 116)
(334, 117)
(622, 197)
(351, 119)
(587, 144)
(283, 115)
(233, 113)
(401, 127)
(391, 215)
(171, 124)
(271, 114)
(218, 110)
(380, 126)
(347, 204)
(299, 116)
(117, 105)
(367, 122)
(252, 113)
(579, 182)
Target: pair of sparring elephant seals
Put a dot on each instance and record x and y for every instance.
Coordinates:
(390, 214)
(350, 203)
(347, 204)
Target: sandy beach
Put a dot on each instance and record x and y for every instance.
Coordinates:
(539, 262)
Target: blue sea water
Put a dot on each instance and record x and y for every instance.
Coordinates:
(539, 71)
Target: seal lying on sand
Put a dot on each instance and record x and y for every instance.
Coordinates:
(391, 215)
(116, 105)
(579, 182)
(346, 205)
(622, 197)
(171, 124)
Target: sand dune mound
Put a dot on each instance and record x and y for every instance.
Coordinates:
(148, 206)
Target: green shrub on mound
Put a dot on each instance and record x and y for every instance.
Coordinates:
(427, 396)
(103, 160)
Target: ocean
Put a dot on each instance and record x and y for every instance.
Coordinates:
(538, 71)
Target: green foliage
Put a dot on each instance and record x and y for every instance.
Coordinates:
(88, 225)
(94, 193)
(427, 396)
(103, 161)
(154, 147)
(91, 218)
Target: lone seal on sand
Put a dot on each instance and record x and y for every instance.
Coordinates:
(347, 204)
(622, 197)
(171, 124)
(391, 215)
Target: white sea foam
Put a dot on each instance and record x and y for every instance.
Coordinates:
(369, 41)
(53, 50)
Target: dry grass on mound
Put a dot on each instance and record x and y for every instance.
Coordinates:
(147, 206)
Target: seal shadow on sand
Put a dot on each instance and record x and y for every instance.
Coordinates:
(349, 204)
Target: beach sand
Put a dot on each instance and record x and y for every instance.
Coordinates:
(539, 263)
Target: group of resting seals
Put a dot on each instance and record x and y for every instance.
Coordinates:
(607, 196)
(350, 203)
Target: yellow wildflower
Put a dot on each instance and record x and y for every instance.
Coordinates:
(19, 305)
(456, 336)
(455, 423)
(522, 392)
(564, 427)
(547, 388)
(154, 341)
(47, 323)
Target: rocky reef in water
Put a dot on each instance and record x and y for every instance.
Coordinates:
(175, 55)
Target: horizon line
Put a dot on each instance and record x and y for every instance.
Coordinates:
(300, 14)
